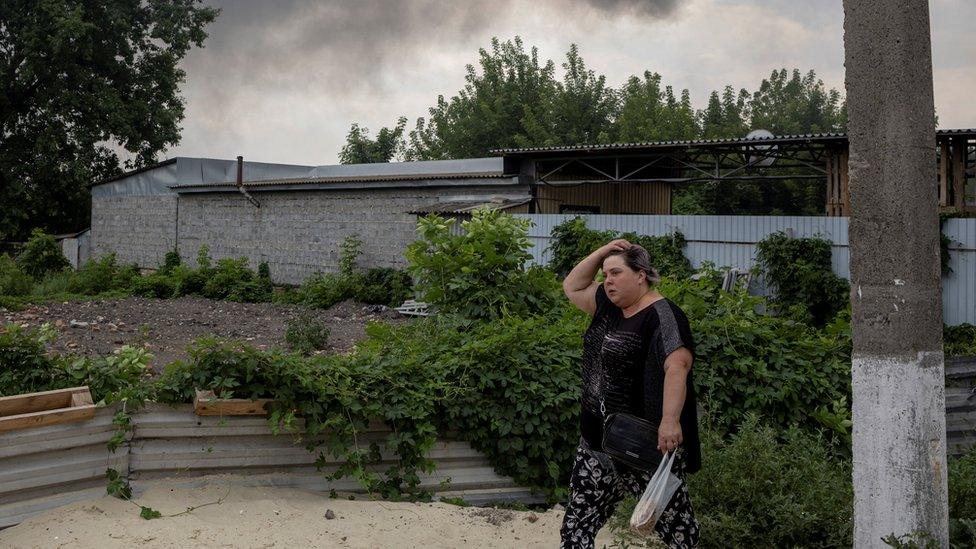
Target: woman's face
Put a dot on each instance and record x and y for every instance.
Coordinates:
(623, 285)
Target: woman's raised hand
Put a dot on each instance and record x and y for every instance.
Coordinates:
(618, 244)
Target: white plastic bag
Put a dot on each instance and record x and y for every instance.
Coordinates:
(655, 498)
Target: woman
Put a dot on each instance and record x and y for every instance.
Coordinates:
(637, 358)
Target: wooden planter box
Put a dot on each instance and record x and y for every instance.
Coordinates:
(45, 408)
(206, 403)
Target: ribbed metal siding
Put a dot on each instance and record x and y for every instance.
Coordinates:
(47, 467)
(611, 198)
(959, 288)
(730, 241)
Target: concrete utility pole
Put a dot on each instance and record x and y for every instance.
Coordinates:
(898, 370)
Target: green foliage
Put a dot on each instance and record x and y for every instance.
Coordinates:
(481, 274)
(492, 109)
(962, 500)
(572, 241)
(361, 149)
(117, 486)
(959, 340)
(306, 333)
(13, 280)
(648, 113)
(350, 250)
(519, 403)
(156, 285)
(41, 255)
(25, 367)
(383, 286)
(323, 290)
(121, 63)
(800, 272)
(767, 487)
(747, 362)
(102, 275)
(171, 261)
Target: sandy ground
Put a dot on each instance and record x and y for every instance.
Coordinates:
(279, 517)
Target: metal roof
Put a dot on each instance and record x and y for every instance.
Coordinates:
(349, 179)
(468, 207)
(739, 141)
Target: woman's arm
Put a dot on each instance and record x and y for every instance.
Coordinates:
(676, 368)
(579, 285)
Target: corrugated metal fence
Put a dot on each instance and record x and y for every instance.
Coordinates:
(730, 241)
(47, 467)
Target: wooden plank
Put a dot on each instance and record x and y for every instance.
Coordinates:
(944, 173)
(38, 402)
(49, 417)
(207, 404)
(829, 157)
(959, 173)
(844, 184)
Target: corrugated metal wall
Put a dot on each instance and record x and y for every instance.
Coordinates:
(731, 241)
(617, 198)
(47, 467)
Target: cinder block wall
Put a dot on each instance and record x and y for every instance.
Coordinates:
(300, 232)
(139, 229)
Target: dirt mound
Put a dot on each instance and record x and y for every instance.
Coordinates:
(166, 326)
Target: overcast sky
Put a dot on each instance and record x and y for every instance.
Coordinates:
(282, 81)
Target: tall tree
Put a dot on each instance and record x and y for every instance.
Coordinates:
(648, 113)
(580, 109)
(788, 103)
(79, 78)
(492, 109)
(361, 149)
(726, 116)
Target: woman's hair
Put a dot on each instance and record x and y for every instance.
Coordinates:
(637, 258)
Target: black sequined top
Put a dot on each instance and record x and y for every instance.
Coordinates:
(623, 369)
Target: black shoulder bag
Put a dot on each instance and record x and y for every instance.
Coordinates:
(632, 441)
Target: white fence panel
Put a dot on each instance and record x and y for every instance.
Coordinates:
(730, 241)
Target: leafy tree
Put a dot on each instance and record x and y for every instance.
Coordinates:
(580, 110)
(787, 103)
(77, 79)
(492, 109)
(725, 116)
(648, 113)
(361, 149)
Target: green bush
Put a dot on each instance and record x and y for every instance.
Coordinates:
(13, 281)
(306, 334)
(962, 500)
(959, 340)
(25, 367)
(188, 281)
(41, 256)
(481, 274)
(156, 285)
(323, 290)
(766, 488)
(171, 261)
(102, 275)
(383, 286)
(800, 272)
(572, 241)
(747, 362)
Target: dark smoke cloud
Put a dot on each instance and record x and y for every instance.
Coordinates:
(345, 45)
(652, 8)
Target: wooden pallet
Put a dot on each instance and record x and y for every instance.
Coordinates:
(206, 403)
(45, 408)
